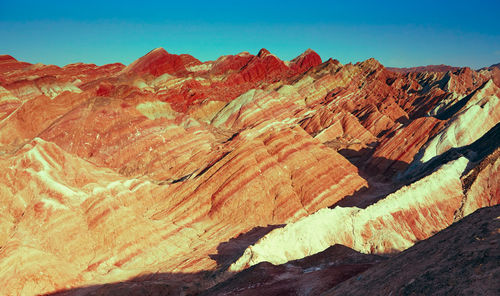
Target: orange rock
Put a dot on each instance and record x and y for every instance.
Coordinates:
(396, 152)
(112, 172)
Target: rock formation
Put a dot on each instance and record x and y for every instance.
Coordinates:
(460, 260)
(172, 175)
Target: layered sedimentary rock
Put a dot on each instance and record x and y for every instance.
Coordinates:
(158, 170)
(460, 260)
(8, 103)
(393, 224)
(480, 112)
(159, 61)
(397, 152)
(481, 186)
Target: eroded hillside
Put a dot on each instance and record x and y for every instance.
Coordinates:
(172, 175)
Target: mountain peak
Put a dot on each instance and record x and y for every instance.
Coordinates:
(306, 60)
(263, 53)
(370, 63)
(156, 62)
(7, 57)
(333, 61)
(309, 51)
(495, 65)
(218, 156)
(373, 61)
(159, 49)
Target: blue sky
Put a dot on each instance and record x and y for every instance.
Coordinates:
(397, 33)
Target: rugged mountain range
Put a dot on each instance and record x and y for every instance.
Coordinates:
(243, 175)
(430, 68)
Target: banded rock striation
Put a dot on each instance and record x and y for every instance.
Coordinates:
(113, 172)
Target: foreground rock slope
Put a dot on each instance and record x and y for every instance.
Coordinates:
(172, 175)
(460, 260)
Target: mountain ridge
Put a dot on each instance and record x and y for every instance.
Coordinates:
(175, 167)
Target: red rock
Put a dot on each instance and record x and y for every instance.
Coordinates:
(492, 72)
(392, 224)
(305, 61)
(6, 58)
(395, 153)
(230, 63)
(338, 128)
(189, 60)
(22, 126)
(8, 103)
(8, 63)
(481, 185)
(113, 172)
(158, 62)
(264, 66)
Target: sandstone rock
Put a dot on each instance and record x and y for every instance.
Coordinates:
(480, 113)
(458, 260)
(157, 171)
(395, 223)
(395, 153)
(159, 61)
(305, 61)
(8, 103)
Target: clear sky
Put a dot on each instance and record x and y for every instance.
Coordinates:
(397, 33)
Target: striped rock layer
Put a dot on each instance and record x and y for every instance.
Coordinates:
(167, 170)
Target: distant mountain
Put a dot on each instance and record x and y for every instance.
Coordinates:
(430, 68)
(492, 66)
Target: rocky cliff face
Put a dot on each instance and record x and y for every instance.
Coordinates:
(180, 174)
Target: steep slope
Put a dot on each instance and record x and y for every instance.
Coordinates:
(468, 120)
(8, 103)
(161, 170)
(84, 207)
(393, 224)
(460, 260)
(9, 63)
(309, 276)
(305, 61)
(159, 61)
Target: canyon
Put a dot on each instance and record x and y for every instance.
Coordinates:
(248, 175)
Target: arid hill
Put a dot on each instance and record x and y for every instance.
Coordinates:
(176, 176)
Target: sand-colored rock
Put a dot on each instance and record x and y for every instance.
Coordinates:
(478, 115)
(460, 260)
(482, 186)
(159, 170)
(393, 224)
